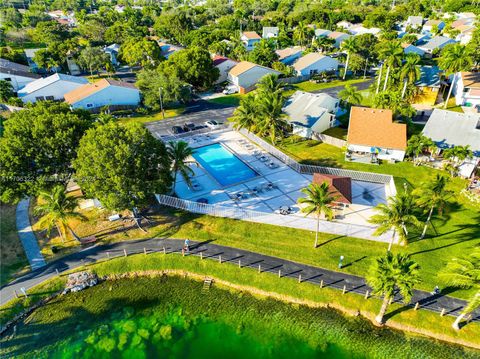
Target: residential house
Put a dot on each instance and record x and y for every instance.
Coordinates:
(466, 89)
(250, 39)
(310, 113)
(106, 92)
(112, 52)
(168, 50)
(414, 22)
(338, 186)
(18, 75)
(373, 134)
(290, 54)
(359, 29)
(29, 54)
(344, 24)
(270, 32)
(435, 44)
(449, 128)
(428, 85)
(412, 49)
(322, 32)
(245, 75)
(429, 26)
(315, 63)
(466, 34)
(466, 15)
(51, 88)
(72, 65)
(224, 65)
(339, 37)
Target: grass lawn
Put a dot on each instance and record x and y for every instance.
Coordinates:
(232, 100)
(367, 100)
(336, 132)
(12, 255)
(226, 276)
(309, 86)
(156, 116)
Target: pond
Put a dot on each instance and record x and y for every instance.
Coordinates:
(172, 317)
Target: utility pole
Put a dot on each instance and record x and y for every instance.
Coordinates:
(161, 102)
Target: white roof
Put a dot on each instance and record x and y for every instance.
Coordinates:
(30, 52)
(46, 81)
(309, 59)
(306, 108)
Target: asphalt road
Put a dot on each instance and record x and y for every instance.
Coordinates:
(302, 272)
(333, 91)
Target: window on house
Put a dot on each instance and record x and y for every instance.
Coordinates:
(40, 98)
(89, 105)
(49, 98)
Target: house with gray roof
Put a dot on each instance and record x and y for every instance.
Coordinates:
(270, 32)
(18, 75)
(310, 113)
(435, 43)
(415, 22)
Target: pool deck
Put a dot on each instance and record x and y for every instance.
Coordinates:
(256, 194)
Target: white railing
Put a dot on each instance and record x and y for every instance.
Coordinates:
(292, 221)
(337, 142)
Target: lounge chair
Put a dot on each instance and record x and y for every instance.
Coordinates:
(263, 158)
(272, 165)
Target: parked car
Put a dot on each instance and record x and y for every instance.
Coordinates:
(189, 126)
(177, 129)
(199, 127)
(230, 90)
(212, 124)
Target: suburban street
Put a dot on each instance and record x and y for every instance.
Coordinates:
(333, 91)
(304, 273)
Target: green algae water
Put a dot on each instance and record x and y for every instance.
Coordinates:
(170, 317)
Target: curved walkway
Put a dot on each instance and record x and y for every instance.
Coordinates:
(304, 273)
(27, 237)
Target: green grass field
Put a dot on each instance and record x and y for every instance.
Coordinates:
(156, 116)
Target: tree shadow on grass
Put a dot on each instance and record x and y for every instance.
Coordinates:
(355, 261)
(329, 241)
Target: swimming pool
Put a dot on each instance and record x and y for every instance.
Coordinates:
(223, 165)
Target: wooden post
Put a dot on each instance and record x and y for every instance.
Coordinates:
(366, 294)
(259, 268)
(125, 252)
(201, 255)
(279, 273)
(239, 263)
(321, 283)
(443, 312)
(144, 250)
(344, 289)
(220, 259)
(164, 250)
(417, 304)
(299, 278)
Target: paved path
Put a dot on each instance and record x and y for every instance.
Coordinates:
(27, 237)
(229, 256)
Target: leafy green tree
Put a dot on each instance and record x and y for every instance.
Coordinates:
(269, 85)
(142, 52)
(287, 71)
(464, 273)
(34, 14)
(453, 59)
(410, 71)
(37, 148)
(350, 95)
(457, 154)
(174, 25)
(179, 154)
(418, 144)
(323, 44)
(350, 47)
(195, 66)
(122, 165)
(396, 215)
(431, 195)
(318, 200)
(93, 58)
(47, 60)
(10, 18)
(263, 53)
(93, 30)
(393, 100)
(56, 209)
(6, 90)
(302, 34)
(49, 31)
(391, 273)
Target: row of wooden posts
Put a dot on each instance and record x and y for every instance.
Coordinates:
(344, 290)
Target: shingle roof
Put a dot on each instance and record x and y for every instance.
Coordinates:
(429, 77)
(43, 82)
(374, 127)
(436, 42)
(322, 32)
(308, 60)
(471, 79)
(266, 31)
(448, 128)
(289, 51)
(91, 88)
(339, 186)
(242, 67)
(13, 68)
(415, 20)
(251, 35)
(336, 34)
(433, 22)
(306, 108)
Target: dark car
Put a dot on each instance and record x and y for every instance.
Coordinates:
(189, 127)
(177, 129)
(199, 127)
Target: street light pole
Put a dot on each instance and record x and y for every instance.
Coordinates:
(161, 102)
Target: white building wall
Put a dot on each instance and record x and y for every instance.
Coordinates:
(251, 77)
(386, 154)
(224, 68)
(17, 81)
(110, 96)
(57, 89)
(323, 123)
(324, 64)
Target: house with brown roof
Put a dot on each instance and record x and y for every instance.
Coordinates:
(338, 186)
(373, 135)
(315, 63)
(106, 92)
(245, 75)
(339, 37)
(250, 39)
(224, 65)
(467, 89)
(290, 54)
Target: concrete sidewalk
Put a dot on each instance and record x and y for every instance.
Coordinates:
(27, 237)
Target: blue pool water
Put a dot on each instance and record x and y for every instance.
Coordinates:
(223, 165)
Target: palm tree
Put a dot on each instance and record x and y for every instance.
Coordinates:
(272, 118)
(433, 195)
(350, 47)
(458, 154)
(395, 216)
(246, 115)
(350, 95)
(302, 33)
(179, 152)
(464, 273)
(56, 209)
(323, 44)
(269, 84)
(454, 58)
(410, 71)
(318, 200)
(392, 53)
(390, 273)
(417, 144)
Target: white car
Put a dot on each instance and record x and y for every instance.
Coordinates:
(230, 90)
(212, 124)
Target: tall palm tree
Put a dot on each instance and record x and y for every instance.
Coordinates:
(396, 215)
(179, 152)
(56, 209)
(269, 84)
(410, 71)
(323, 44)
(464, 273)
(272, 119)
(390, 273)
(318, 200)
(392, 53)
(302, 33)
(350, 47)
(246, 114)
(458, 154)
(417, 144)
(433, 195)
(350, 95)
(453, 59)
